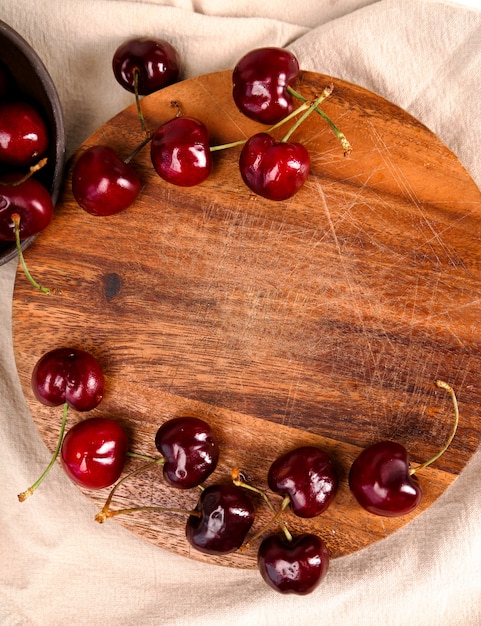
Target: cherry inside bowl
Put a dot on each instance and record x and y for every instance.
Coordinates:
(32, 81)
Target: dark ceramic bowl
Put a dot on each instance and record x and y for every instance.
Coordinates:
(34, 83)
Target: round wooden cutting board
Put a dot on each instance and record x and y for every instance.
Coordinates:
(322, 320)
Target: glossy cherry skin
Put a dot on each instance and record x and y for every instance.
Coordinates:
(227, 514)
(260, 80)
(190, 450)
(380, 481)
(180, 152)
(30, 200)
(296, 566)
(68, 375)
(308, 476)
(156, 61)
(93, 452)
(274, 170)
(23, 134)
(102, 183)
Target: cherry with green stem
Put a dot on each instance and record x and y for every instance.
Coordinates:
(143, 65)
(28, 492)
(189, 450)
(74, 378)
(274, 169)
(381, 478)
(288, 563)
(26, 209)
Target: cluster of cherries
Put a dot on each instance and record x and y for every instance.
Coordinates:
(94, 451)
(26, 207)
(262, 89)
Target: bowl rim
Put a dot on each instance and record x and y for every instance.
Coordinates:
(25, 49)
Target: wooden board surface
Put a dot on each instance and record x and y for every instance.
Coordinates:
(323, 319)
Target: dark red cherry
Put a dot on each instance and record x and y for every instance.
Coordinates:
(260, 80)
(28, 199)
(296, 566)
(68, 375)
(94, 451)
(180, 152)
(102, 183)
(380, 480)
(156, 61)
(190, 450)
(226, 516)
(308, 476)
(23, 134)
(274, 170)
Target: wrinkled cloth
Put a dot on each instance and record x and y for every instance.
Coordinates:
(60, 568)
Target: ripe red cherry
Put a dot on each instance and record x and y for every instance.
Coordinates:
(94, 451)
(260, 80)
(190, 451)
(226, 516)
(68, 375)
(296, 566)
(23, 134)
(381, 482)
(381, 478)
(102, 183)
(155, 61)
(180, 152)
(308, 477)
(28, 199)
(274, 170)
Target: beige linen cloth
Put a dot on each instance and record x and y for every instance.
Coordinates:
(60, 568)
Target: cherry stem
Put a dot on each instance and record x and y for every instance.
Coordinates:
(312, 107)
(16, 222)
(239, 481)
(346, 146)
(103, 516)
(25, 494)
(442, 385)
(135, 152)
(241, 142)
(276, 518)
(144, 457)
(105, 512)
(34, 168)
(137, 102)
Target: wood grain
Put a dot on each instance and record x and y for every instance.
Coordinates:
(323, 319)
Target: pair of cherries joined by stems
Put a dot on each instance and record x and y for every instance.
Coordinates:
(104, 184)
(94, 451)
